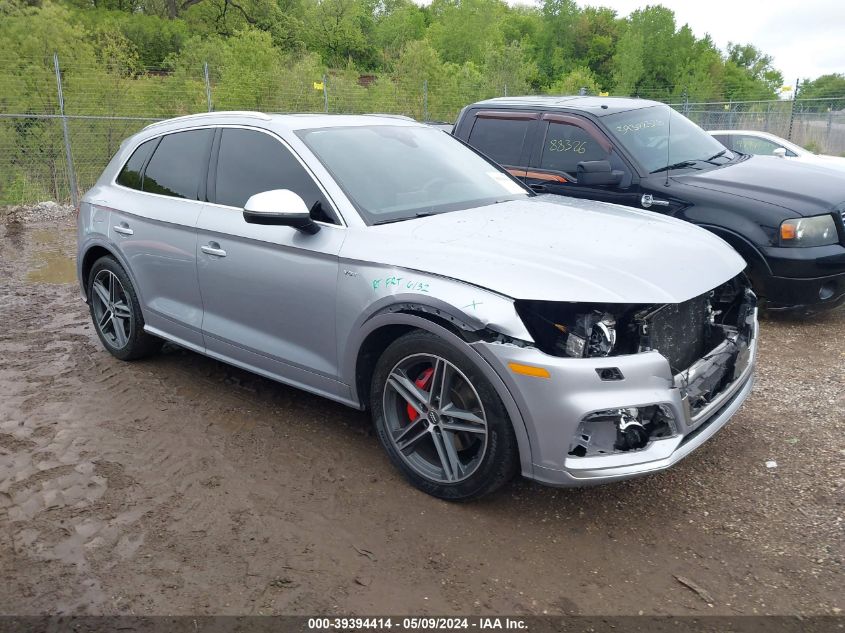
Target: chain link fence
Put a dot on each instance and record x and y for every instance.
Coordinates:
(60, 123)
(817, 124)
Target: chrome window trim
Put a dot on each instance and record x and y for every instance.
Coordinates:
(214, 126)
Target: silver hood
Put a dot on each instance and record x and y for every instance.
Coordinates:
(556, 249)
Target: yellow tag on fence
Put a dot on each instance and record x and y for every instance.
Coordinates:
(318, 85)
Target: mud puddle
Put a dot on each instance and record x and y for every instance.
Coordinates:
(51, 262)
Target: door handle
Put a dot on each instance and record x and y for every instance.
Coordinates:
(123, 229)
(213, 248)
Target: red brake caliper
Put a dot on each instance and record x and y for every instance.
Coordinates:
(423, 382)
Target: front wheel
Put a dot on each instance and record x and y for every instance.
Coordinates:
(440, 420)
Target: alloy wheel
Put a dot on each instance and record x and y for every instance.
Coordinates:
(112, 313)
(435, 418)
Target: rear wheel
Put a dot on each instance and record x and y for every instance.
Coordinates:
(116, 312)
(440, 420)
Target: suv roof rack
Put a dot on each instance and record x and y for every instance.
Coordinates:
(205, 115)
(391, 116)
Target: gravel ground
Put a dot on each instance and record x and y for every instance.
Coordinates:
(178, 485)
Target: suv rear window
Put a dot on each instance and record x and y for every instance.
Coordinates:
(130, 175)
(175, 168)
(500, 139)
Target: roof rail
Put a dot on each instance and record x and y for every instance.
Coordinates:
(205, 115)
(391, 116)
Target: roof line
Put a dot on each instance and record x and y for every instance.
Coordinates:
(207, 115)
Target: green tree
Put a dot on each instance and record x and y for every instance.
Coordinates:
(749, 73)
(462, 30)
(700, 68)
(556, 45)
(341, 31)
(829, 88)
(596, 34)
(397, 22)
(575, 81)
(508, 69)
(629, 63)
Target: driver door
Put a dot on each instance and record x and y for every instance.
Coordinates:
(565, 140)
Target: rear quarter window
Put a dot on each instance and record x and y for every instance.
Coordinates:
(130, 175)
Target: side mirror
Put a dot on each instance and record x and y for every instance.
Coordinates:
(780, 152)
(279, 207)
(597, 172)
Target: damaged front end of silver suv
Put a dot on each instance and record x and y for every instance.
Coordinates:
(706, 340)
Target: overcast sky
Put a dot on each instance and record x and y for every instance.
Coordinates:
(805, 37)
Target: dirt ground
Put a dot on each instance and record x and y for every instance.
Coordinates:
(178, 485)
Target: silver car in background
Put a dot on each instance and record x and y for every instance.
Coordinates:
(766, 144)
(385, 265)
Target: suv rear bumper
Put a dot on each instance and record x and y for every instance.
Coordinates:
(553, 408)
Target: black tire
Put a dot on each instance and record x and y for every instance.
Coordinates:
(138, 343)
(500, 459)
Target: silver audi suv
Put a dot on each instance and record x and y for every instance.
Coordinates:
(385, 265)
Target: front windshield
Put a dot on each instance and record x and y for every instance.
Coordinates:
(397, 172)
(645, 134)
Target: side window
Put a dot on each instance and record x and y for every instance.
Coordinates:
(178, 163)
(726, 140)
(754, 145)
(250, 162)
(130, 175)
(500, 139)
(566, 145)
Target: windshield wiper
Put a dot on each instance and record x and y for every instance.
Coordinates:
(680, 165)
(421, 214)
(714, 157)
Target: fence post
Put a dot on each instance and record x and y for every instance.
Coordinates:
(425, 100)
(506, 90)
(829, 127)
(326, 93)
(71, 174)
(686, 103)
(768, 112)
(792, 109)
(207, 86)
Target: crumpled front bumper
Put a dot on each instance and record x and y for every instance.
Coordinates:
(552, 408)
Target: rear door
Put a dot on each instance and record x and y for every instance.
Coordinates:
(505, 137)
(269, 292)
(153, 225)
(563, 141)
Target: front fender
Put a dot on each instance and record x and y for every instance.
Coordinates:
(365, 290)
(385, 319)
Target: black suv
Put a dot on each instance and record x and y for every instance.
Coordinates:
(786, 220)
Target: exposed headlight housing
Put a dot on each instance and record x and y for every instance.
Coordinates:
(593, 334)
(819, 230)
